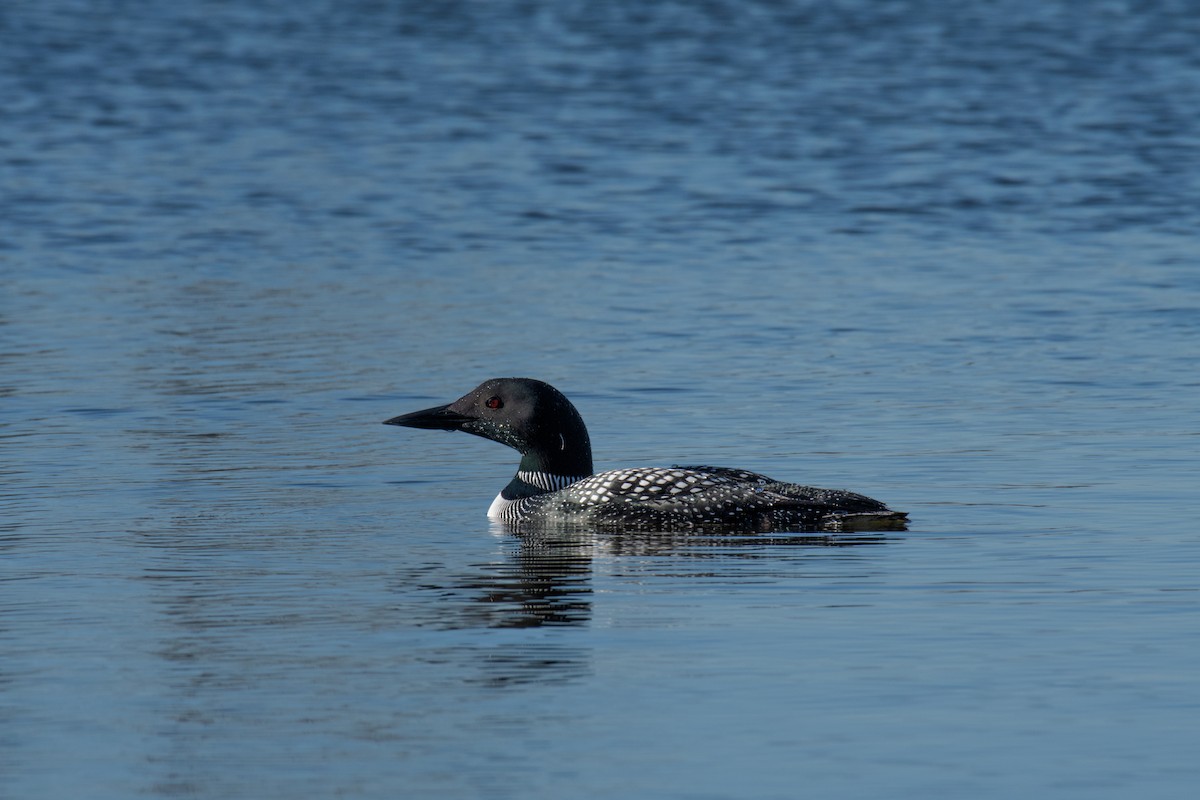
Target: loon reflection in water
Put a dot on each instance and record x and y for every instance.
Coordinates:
(554, 484)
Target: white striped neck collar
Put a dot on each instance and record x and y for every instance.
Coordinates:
(547, 481)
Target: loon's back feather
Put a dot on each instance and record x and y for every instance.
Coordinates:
(838, 499)
(685, 497)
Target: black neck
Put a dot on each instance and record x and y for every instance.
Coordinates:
(566, 454)
(567, 451)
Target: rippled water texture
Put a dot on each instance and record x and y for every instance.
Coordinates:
(941, 254)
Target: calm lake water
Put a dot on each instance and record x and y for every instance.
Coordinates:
(944, 255)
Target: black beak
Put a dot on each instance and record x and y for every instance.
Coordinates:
(438, 418)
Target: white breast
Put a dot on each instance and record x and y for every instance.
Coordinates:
(499, 506)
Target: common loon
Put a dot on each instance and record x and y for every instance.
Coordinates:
(554, 484)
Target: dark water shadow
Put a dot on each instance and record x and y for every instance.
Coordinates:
(545, 578)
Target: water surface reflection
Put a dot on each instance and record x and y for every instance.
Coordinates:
(547, 579)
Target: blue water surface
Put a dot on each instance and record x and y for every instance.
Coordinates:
(944, 255)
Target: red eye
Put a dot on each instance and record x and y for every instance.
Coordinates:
(494, 402)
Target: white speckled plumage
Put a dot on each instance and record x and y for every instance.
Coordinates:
(687, 497)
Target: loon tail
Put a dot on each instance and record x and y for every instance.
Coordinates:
(869, 521)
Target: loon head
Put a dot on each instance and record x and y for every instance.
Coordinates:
(528, 415)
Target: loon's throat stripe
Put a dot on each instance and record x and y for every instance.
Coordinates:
(548, 481)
